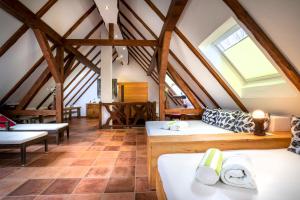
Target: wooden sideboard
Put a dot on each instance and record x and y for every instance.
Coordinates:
(92, 110)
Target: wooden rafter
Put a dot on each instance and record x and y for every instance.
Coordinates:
(52, 64)
(21, 12)
(109, 42)
(200, 57)
(174, 12)
(283, 63)
(111, 31)
(14, 38)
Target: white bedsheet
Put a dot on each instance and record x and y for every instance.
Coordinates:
(154, 128)
(39, 127)
(13, 137)
(277, 177)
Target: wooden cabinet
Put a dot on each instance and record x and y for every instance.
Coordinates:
(133, 91)
(92, 110)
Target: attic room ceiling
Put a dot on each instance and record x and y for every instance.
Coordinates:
(109, 10)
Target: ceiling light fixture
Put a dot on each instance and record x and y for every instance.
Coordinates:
(116, 36)
(124, 48)
(106, 7)
(121, 56)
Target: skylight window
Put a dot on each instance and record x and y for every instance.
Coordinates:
(245, 57)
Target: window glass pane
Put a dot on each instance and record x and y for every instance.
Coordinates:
(232, 39)
(248, 59)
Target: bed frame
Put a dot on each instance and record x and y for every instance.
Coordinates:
(158, 145)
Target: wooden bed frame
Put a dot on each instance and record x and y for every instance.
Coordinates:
(158, 145)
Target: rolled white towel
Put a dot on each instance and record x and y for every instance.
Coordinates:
(237, 170)
(179, 125)
(209, 169)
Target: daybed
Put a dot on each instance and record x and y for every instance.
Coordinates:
(16, 139)
(57, 129)
(277, 177)
(200, 136)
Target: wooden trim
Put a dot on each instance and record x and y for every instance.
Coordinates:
(29, 112)
(200, 57)
(14, 38)
(44, 45)
(283, 63)
(109, 42)
(185, 111)
(183, 86)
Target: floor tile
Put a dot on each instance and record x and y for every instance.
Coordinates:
(83, 162)
(146, 196)
(141, 184)
(91, 186)
(125, 162)
(62, 186)
(31, 187)
(73, 172)
(99, 172)
(111, 148)
(9, 185)
(118, 196)
(123, 171)
(120, 185)
(127, 154)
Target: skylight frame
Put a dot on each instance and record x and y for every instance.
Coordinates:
(243, 36)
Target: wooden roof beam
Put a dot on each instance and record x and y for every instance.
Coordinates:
(14, 38)
(109, 42)
(52, 64)
(283, 63)
(21, 12)
(174, 12)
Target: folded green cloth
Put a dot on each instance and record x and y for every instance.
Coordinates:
(209, 169)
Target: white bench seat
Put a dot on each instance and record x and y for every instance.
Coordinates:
(13, 137)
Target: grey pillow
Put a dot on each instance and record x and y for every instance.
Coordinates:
(295, 142)
(209, 116)
(226, 119)
(244, 123)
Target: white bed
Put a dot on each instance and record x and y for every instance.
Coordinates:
(52, 128)
(154, 128)
(14, 137)
(38, 127)
(277, 177)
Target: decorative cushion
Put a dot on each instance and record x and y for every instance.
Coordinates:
(295, 142)
(6, 119)
(244, 123)
(209, 116)
(226, 119)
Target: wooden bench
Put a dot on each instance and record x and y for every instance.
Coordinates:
(16, 139)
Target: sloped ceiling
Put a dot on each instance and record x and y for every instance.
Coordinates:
(199, 19)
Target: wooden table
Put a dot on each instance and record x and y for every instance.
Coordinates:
(158, 145)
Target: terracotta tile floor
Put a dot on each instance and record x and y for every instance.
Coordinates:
(93, 164)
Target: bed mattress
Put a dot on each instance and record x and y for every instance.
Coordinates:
(39, 127)
(154, 128)
(13, 137)
(277, 177)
